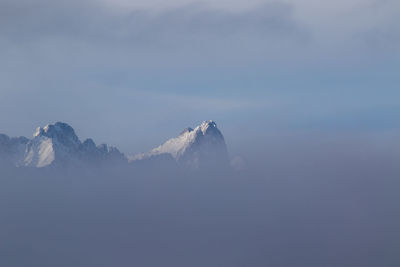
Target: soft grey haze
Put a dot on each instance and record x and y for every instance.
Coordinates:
(306, 97)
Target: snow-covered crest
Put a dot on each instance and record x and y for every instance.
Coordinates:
(202, 145)
(58, 143)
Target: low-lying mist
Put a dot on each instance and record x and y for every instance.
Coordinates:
(299, 204)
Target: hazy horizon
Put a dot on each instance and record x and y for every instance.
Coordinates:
(305, 94)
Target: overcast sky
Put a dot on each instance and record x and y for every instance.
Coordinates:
(133, 73)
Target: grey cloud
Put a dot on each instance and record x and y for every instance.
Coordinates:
(85, 20)
(49, 43)
(171, 28)
(274, 30)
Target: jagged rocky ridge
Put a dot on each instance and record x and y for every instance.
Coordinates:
(58, 145)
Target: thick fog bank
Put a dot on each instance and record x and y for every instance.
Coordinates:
(299, 205)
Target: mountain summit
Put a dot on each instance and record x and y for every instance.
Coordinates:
(58, 145)
(202, 146)
(54, 141)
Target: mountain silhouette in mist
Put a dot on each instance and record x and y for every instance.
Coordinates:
(58, 145)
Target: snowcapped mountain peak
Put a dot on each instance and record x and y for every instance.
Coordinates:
(58, 143)
(53, 141)
(193, 147)
(60, 131)
(205, 125)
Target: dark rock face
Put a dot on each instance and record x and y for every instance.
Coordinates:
(110, 153)
(207, 149)
(62, 132)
